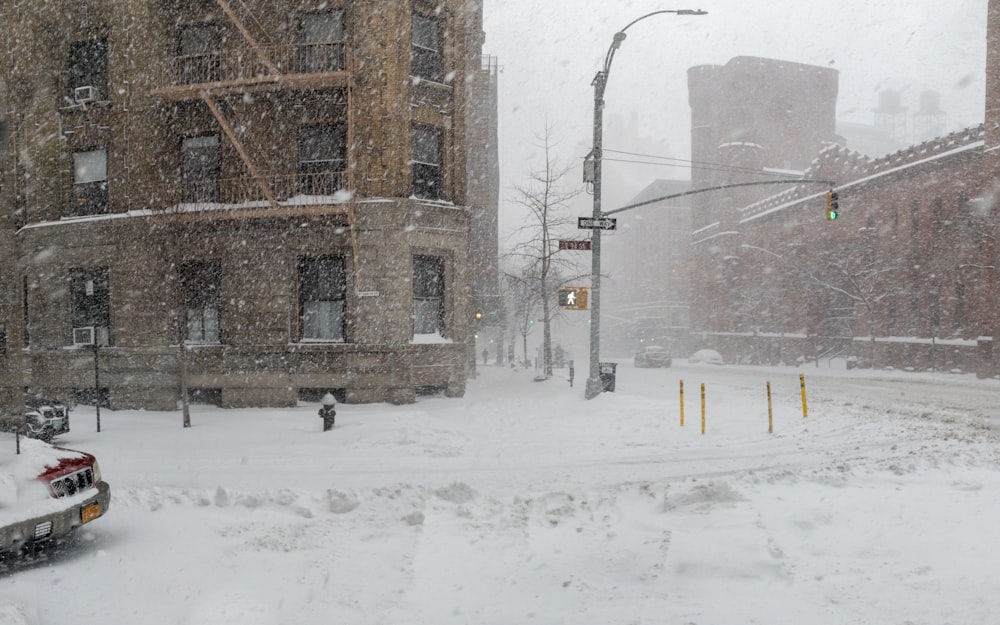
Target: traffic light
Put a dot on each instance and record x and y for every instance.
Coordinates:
(573, 297)
(832, 206)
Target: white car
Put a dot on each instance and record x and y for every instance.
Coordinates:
(705, 356)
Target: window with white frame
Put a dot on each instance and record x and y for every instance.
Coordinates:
(200, 292)
(88, 71)
(90, 183)
(428, 295)
(322, 158)
(426, 162)
(322, 290)
(426, 59)
(90, 300)
(201, 169)
(321, 42)
(199, 46)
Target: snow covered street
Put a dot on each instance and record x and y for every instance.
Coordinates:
(524, 502)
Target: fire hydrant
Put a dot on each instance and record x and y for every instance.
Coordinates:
(328, 412)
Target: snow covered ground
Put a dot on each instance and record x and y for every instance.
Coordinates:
(525, 503)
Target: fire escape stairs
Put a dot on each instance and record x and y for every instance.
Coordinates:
(243, 19)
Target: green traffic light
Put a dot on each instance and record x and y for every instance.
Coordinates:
(831, 215)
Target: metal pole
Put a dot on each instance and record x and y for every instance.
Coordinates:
(97, 387)
(594, 385)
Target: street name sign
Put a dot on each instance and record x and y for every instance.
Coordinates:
(589, 223)
(574, 245)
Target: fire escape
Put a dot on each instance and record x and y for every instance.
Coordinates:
(256, 64)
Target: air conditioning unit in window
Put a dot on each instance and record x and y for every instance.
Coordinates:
(83, 336)
(85, 94)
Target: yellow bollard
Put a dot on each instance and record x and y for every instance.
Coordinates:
(802, 383)
(682, 403)
(770, 416)
(702, 407)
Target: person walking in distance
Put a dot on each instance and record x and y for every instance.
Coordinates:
(328, 412)
(486, 356)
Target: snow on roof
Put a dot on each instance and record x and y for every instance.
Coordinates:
(942, 147)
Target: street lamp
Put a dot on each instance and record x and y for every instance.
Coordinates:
(592, 169)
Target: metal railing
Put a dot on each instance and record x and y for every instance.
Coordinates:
(305, 189)
(246, 64)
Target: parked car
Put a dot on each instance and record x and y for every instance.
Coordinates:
(652, 356)
(706, 356)
(43, 419)
(45, 493)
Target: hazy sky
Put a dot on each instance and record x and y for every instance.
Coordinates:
(550, 51)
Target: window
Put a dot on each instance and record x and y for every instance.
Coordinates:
(322, 157)
(90, 183)
(428, 295)
(321, 42)
(89, 295)
(88, 67)
(200, 292)
(425, 55)
(199, 46)
(322, 287)
(200, 169)
(426, 162)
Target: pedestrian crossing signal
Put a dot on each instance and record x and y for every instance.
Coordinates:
(832, 205)
(573, 298)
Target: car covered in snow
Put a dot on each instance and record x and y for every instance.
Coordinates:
(42, 418)
(46, 492)
(705, 357)
(652, 356)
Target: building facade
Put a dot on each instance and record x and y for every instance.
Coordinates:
(905, 277)
(255, 201)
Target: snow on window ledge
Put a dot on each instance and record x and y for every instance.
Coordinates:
(428, 339)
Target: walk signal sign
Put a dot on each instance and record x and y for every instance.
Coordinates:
(832, 205)
(573, 297)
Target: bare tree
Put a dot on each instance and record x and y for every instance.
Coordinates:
(545, 197)
(523, 297)
(857, 273)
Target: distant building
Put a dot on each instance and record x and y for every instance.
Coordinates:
(750, 115)
(484, 205)
(646, 264)
(251, 201)
(905, 277)
(867, 139)
(752, 120)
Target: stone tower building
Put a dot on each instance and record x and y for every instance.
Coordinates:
(253, 201)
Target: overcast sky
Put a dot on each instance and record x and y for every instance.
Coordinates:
(550, 51)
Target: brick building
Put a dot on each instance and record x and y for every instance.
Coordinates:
(280, 188)
(905, 277)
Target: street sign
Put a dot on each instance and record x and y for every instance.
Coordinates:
(574, 245)
(589, 223)
(573, 297)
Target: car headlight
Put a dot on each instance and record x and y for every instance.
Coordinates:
(97, 472)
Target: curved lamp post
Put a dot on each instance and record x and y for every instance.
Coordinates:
(594, 384)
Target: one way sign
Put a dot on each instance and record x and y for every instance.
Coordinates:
(589, 223)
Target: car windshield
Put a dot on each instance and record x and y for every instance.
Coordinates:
(624, 311)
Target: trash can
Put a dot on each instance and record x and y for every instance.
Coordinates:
(608, 371)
